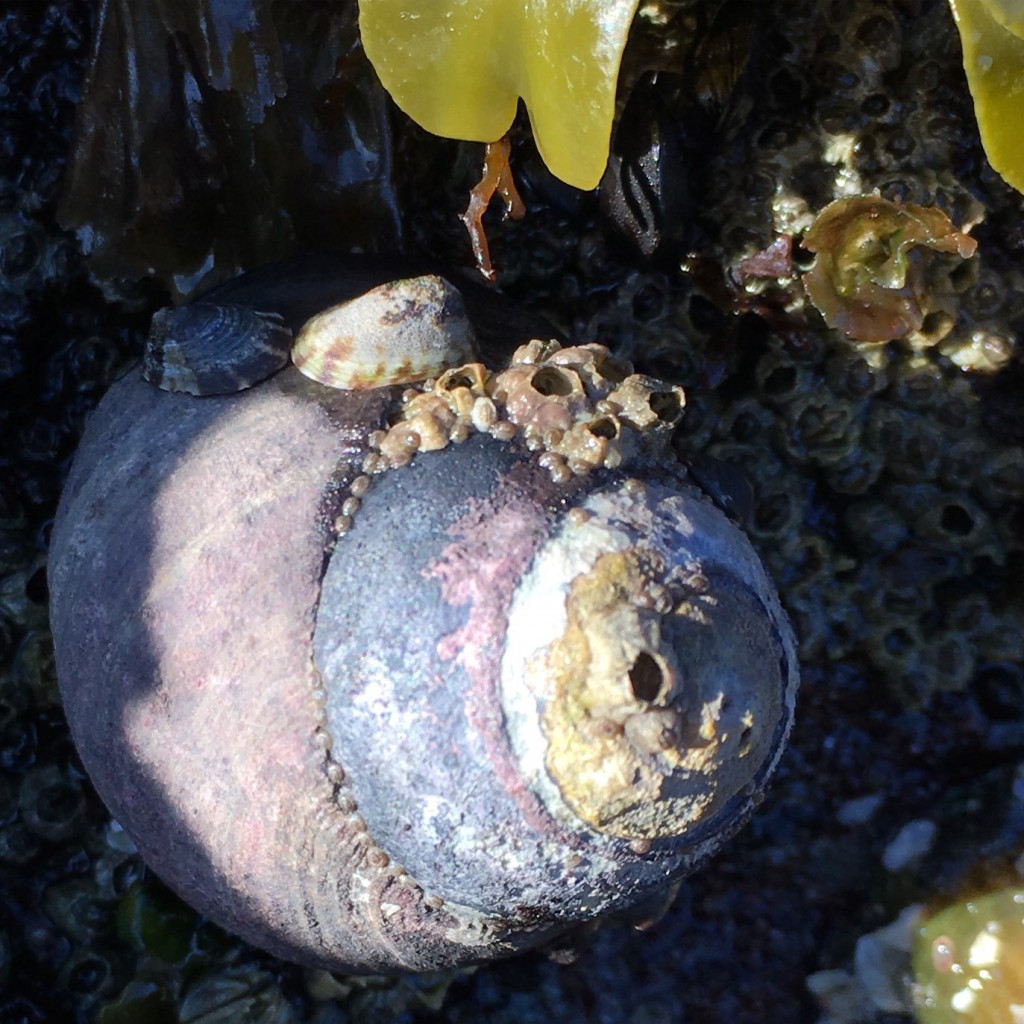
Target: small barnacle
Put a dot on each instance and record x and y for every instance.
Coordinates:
(948, 520)
(910, 445)
(951, 660)
(918, 384)
(780, 377)
(746, 421)
(852, 376)
(51, 802)
(961, 463)
(535, 351)
(461, 388)
(856, 472)
(428, 418)
(818, 429)
(645, 403)
(399, 446)
(897, 648)
(473, 376)
(1001, 482)
(74, 906)
(540, 398)
(598, 368)
(591, 443)
(869, 280)
(484, 414)
(778, 508)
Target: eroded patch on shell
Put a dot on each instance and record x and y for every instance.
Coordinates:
(214, 349)
(649, 672)
(396, 333)
(579, 407)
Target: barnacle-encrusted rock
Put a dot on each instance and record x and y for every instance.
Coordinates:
(492, 667)
(579, 406)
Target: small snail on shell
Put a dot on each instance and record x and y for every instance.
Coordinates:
(384, 719)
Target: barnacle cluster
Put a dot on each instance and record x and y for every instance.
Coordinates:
(580, 406)
(876, 492)
(883, 500)
(44, 807)
(883, 116)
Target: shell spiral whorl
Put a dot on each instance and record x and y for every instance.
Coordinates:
(584, 692)
(530, 677)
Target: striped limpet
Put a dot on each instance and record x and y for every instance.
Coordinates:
(399, 332)
(214, 349)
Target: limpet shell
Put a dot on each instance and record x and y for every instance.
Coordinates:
(214, 349)
(396, 333)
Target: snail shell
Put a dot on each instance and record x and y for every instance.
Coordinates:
(382, 719)
(214, 348)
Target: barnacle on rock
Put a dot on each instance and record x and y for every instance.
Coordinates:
(51, 802)
(580, 406)
(874, 526)
(854, 473)
(818, 429)
(888, 442)
(948, 520)
(911, 446)
(869, 279)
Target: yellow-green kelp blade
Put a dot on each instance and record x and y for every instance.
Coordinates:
(991, 32)
(458, 68)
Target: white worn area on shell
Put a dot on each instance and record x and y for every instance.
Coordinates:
(378, 702)
(690, 535)
(537, 617)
